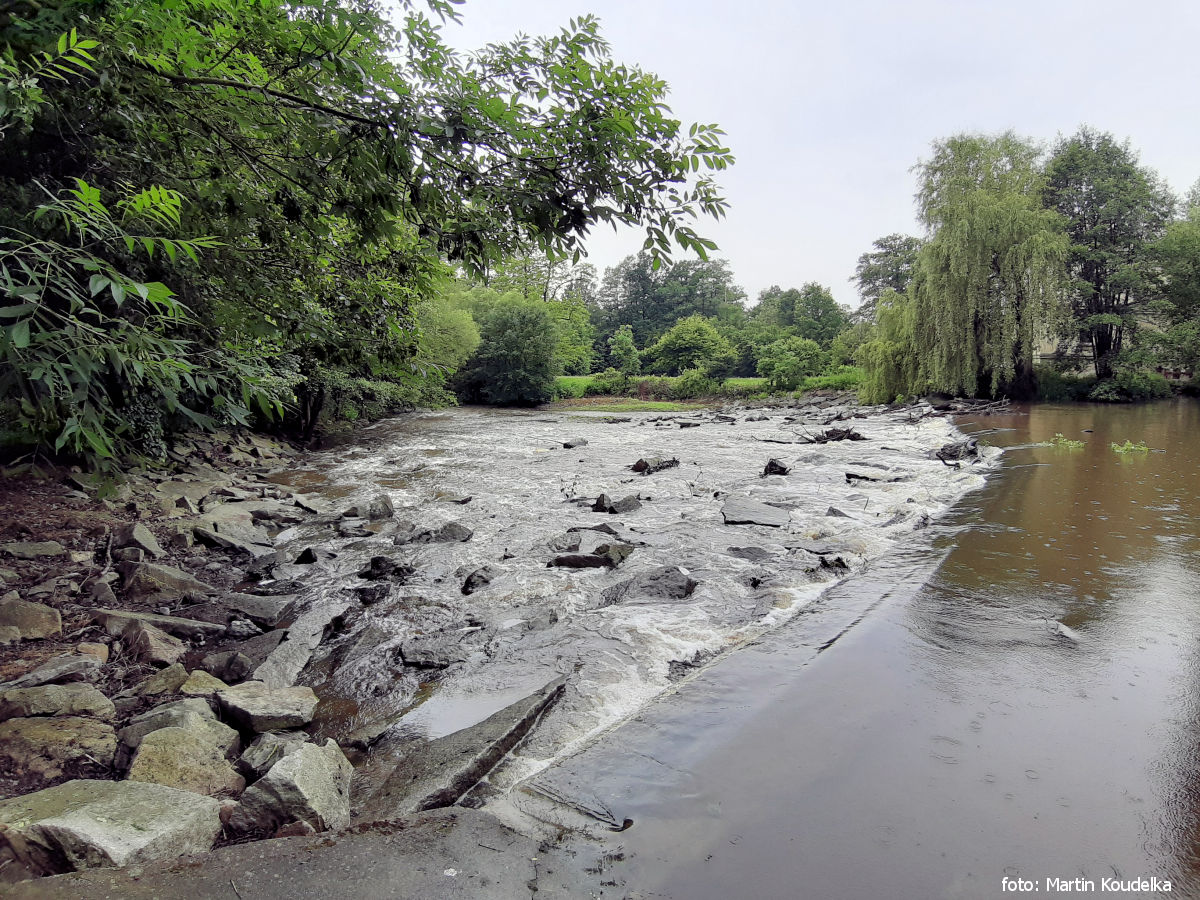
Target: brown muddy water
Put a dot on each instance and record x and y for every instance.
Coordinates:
(1013, 694)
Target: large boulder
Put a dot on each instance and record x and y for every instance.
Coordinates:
(186, 758)
(85, 824)
(259, 708)
(743, 511)
(311, 784)
(55, 700)
(284, 663)
(47, 747)
(33, 620)
(193, 714)
(450, 533)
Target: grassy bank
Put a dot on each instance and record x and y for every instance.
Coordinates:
(650, 389)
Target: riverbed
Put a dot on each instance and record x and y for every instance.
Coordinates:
(1011, 694)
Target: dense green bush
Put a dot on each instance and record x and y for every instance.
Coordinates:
(1056, 387)
(608, 383)
(693, 383)
(843, 378)
(514, 363)
(1129, 387)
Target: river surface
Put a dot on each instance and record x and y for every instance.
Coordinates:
(1012, 693)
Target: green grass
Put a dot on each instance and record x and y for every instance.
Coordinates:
(847, 378)
(634, 405)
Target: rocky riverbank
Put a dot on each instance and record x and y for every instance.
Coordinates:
(260, 644)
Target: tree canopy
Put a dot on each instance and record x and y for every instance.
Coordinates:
(277, 185)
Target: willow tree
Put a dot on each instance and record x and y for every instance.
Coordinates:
(988, 284)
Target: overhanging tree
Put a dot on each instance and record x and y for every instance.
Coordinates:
(988, 279)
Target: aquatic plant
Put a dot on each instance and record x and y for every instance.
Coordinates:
(1130, 447)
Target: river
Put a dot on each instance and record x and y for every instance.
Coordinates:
(1011, 694)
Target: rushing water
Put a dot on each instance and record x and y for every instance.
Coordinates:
(1014, 694)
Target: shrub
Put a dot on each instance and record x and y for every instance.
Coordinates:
(607, 383)
(1056, 387)
(843, 378)
(514, 364)
(693, 383)
(1129, 387)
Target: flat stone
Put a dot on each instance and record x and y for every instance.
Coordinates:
(264, 609)
(441, 649)
(450, 533)
(255, 545)
(378, 507)
(151, 645)
(743, 511)
(193, 713)
(168, 681)
(32, 620)
(85, 824)
(94, 649)
(258, 707)
(47, 746)
(115, 621)
(310, 784)
(33, 549)
(143, 579)
(187, 759)
(439, 773)
(287, 660)
(140, 537)
(230, 665)
(201, 684)
(57, 669)
(55, 700)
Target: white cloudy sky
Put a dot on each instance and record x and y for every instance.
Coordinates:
(828, 105)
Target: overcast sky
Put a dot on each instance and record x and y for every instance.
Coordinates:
(827, 106)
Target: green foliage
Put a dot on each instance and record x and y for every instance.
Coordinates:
(1064, 443)
(332, 159)
(1057, 387)
(1129, 387)
(514, 363)
(889, 360)
(571, 386)
(693, 383)
(1113, 208)
(623, 352)
(810, 312)
(787, 362)
(573, 349)
(1129, 447)
(843, 378)
(691, 343)
(610, 382)
(987, 285)
(889, 267)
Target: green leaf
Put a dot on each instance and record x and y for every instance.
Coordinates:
(20, 334)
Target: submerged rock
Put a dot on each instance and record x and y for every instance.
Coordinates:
(664, 583)
(378, 507)
(743, 511)
(775, 467)
(450, 533)
(606, 504)
(651, 464)
(480, 578)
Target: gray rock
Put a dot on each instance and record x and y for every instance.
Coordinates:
(151, 645)
(57, 669)
(144, 579)
(260, 708)
(202, 684)
(834, 512)
(33, 549)
(606, 504)
(440, 649)
(264, 609)
(169, 680)
(138, 536)
(657, 585)
(115, 622)
(248, 541)
(85, 824)
(285, 662)
(55, 700)
(370, 594)
(450, 533)
(187, 759)
(381, 567)
(268, 749)
(48, 746)
(648, 465)
(378, 507)
(311, 784)
(228, 665)
(776, 467)
(193, 713)
(241, 629)
(753, 554)
(480, 578)
(33, 620)
(607, 556)
(574, 442)
(9, 634)
(743, 511)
